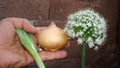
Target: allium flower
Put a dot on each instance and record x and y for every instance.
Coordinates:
(88, 26)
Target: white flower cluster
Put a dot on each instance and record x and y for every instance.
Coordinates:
(88, 26)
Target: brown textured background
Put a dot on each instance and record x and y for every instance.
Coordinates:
(45, 11)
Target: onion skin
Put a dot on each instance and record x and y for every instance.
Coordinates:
(52, 38)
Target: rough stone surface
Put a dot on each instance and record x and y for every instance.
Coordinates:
(31, 9)
(118, 41)
(45, 11)
(60, 9)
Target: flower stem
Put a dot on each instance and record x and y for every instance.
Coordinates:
(83, 55)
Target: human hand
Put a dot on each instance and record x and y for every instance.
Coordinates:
(12, 53)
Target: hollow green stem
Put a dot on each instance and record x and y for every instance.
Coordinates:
(83, 55)
(26, 40)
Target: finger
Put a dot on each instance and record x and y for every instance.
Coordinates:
(52, 55)
(23, 23)
(39, 29)
(28, 27)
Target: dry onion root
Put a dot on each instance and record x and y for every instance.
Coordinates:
(52, 38)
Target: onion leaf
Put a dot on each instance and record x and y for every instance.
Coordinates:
(27, 41)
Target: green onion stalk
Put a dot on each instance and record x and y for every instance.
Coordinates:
(89, 27)
(27, 41)
(83, 55)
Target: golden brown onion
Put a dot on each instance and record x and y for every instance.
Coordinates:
(52, 38)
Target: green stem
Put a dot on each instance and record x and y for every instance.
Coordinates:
(83, 55)
(26, 40)
(38, 60)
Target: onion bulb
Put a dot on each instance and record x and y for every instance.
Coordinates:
(52, 38)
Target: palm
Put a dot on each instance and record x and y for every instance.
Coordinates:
(14, 52)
